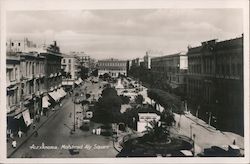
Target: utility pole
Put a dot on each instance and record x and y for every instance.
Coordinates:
(209, 120)
(74, 127)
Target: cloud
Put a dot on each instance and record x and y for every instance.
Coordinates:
(129, 33)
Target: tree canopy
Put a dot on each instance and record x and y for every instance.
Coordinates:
(108, 107)
(165, 99)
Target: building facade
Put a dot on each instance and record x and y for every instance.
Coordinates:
(71, 65)
(136, 62)
(71, 68)
(32, 73)
(215, 83)
(113, 67)
(25, 87)
(84, 59)
(170, 71)
(147, 58)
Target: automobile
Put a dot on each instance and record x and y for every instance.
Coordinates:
(106, 130)
(125, 91)
(85, 125)
(74, 151)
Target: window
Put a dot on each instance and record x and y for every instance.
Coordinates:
(12, 44)
(69, 60)
(63, 60)
(19, 44)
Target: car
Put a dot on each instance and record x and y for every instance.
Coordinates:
(106, 130)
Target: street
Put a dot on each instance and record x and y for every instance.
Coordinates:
(56, 132)
(54, 139)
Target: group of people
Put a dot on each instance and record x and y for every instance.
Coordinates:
(97, 131)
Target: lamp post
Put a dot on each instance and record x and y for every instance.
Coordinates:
(191, 130)
(209, 117)
(194, 143)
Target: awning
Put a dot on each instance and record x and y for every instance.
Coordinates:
(45, 102)
(54, 95)
(80, 80)
(77, 82)
(58, 93)
(26, 117)
(62, 92)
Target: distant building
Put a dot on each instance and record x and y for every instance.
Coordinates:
(84, 60)
(113, 67)
(24, 45)
(171, 71)
(215, 83)
(71, 66)
(136, 62)
(147, 58)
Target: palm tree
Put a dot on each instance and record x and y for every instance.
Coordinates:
(156, 132)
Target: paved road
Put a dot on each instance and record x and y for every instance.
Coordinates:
(55, 133)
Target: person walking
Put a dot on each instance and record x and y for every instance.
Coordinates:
(14, 144)
(20, 133)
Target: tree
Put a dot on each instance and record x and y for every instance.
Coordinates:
(107, 109)
(156, 132)
(94, 73)
(125, 99)
(139, 99)
(168, 101)
(84, 73)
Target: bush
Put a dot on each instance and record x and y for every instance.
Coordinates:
(125, 99)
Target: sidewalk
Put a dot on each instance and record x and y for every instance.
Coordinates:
(205, 135)
(200, 122)
(31, 131)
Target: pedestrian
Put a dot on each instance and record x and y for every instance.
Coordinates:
(36, 133)
(93, 131)
(179, 125)
(234, 142)
(20, 133)
(34, 125)
(14, 144)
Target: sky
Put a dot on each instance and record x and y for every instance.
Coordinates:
(127, 33)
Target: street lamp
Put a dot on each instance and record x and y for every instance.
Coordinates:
(209, 117)
(191, 130)
(194, 143)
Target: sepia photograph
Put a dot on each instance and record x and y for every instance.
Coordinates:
(118, 82)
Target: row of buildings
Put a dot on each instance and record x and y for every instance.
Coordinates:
(36, 79)
(33, 75)
(208, 77)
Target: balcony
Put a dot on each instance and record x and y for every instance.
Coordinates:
(12, 82)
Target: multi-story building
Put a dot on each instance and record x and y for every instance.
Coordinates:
(147, 58)
(25, 86)
(53, 76)
(215, 83)
(24, 45)
(136, 62)
(170, 72)
(32, 73)
(71, 67)
(13, 88)
(84, 59)
(32, 81)
(113, 67)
